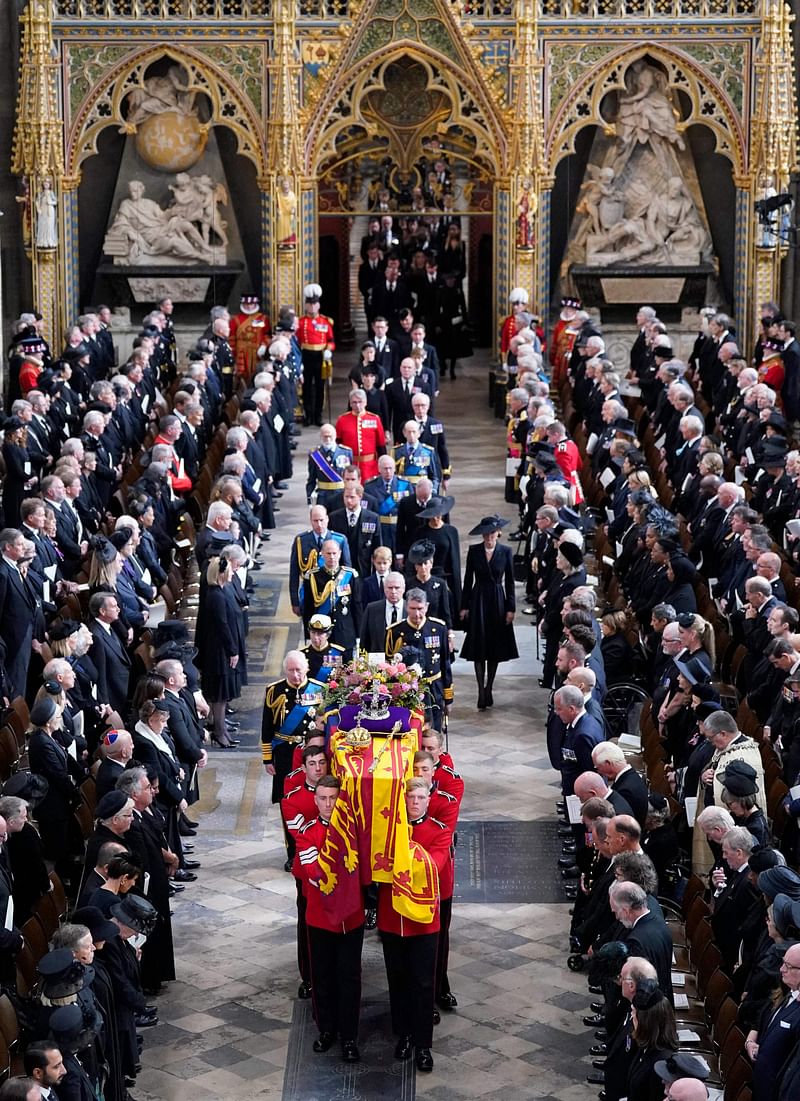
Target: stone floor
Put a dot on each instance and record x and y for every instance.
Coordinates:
(233, 1027)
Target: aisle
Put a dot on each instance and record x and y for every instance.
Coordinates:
(235, 1026)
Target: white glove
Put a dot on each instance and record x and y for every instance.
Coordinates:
(523, 484)
(327, 355)
(262, 350)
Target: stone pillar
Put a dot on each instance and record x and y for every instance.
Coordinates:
(69, 244)
(743, 278)
(504, 255)
(308, 241)
(541, 291)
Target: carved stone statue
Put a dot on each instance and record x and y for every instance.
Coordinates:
(160, 94)
(667, 232)
(287, 214)
(196, 199)
(142, 230)
(646, 112)
(46, 216)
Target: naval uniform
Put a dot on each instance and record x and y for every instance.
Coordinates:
(325, 472)
(336, 595)
(429, 640)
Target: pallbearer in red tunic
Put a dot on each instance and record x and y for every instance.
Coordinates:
(334, 945)
(250, 332)
(363, 433)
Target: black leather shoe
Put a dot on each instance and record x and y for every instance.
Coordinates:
(447, 1002)
(187, 831)
(350, 1053)
(568, 848)
(182, 876)
(175, 889)
(601, 1095)
(304, 991)
(570, 891)
(594, 989)
(404, 1048)
(424, 1057)
(191, 864)
(598, 1007)
(565, 832)
(145, 1020)
(187, 848)
(437, 1017)
(370, 919)
(598, 1064)
(489, 698)
(324, 1041)
(188, 822)
(598, 1049)
(571, 873)
(594, 1020)
(561, 806)
(601, 1034)
(595, 1078)
(566, 861)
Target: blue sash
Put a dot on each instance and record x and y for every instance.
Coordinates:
(330, 472)
(296, 716)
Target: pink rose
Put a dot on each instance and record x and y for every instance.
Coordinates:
(383, 690)
(401, 668)
(396, 690)
(333, 684)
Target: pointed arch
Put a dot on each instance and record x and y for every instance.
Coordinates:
(102, 107)
(711, 106)
(471, 106)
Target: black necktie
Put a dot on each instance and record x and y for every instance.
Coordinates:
(394, 614)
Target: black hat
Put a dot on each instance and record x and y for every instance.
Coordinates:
(705, 692)
(421, 551)
(111, 804)
(608, 961)
(135, 912)
(43, 711)
(105, 550)
(692, 669)
(437, 506)
(98, 925)
(708, 707)
(76, 354)
(656, 801)
(648, 994)
(740, 778)
(29, 786)
(663, 351)
(682, 1065)
(572, 552)
(11, 424)
(779, 881)
(60, 629)
(162, 706)
(545, 461)
(777, 421)
(68, 1028)
(121, 537)
(761, 859)
(172, 630)
(61, 973)
(488, 524)
(626, 427)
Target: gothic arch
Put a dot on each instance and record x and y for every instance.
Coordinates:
(470, 106)
(103, 106)
(710, 104)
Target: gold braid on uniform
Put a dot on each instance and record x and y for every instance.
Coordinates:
(277, 705)
(328, 590)
(309, 564)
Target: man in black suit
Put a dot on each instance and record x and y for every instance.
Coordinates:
(774, 1042)
(69, 529)
(184, 727)
(387, 352)
(369, 275)
(109, 655)
(381, 614)
(646, 934)
(408, 526)
(612, 765)
(737, 896)
(360, 526)
(17, 610)
(391, 295)
(399, 394)
(117, 749)
(431, 431)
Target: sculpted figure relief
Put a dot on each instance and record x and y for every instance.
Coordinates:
(141, 229)
(160, 94)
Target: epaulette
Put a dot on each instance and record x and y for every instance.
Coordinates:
(445, 794)
(436, 821)
(445, 768)
(307, 826)
(434, 619)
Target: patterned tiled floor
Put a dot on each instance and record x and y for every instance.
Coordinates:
(232, 1023)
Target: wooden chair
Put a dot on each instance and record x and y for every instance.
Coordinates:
(58, 894)
(739, 1076)
(26, 970)
(83, 816)
(88, 790)
(20, 709)
(35, 938)
(9, 1030)
(46, 913)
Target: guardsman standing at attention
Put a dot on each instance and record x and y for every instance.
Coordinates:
(250, 330)
(335, 591)
(519, 301)
(325, 466)
(315, 336)
(321, 654)
(290, 707)
(425, 641)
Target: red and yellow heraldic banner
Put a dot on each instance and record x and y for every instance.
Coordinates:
(369, 839)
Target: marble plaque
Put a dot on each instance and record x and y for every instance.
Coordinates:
(183, 288)
(654, 288)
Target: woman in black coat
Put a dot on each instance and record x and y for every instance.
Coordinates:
(568, 576)
(616, 650)
(488, 606)
(220, 644)
(453, 338)
(18, 470)
(49, 760)
(656, 1038)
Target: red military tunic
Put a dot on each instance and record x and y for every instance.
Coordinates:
(444, 808)
(298, 807)
(508, 329)
(248, 332)
(363, 433)
(569, 463)
(315, 334)
(447, 779)
(438, 840)
(310, 842)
